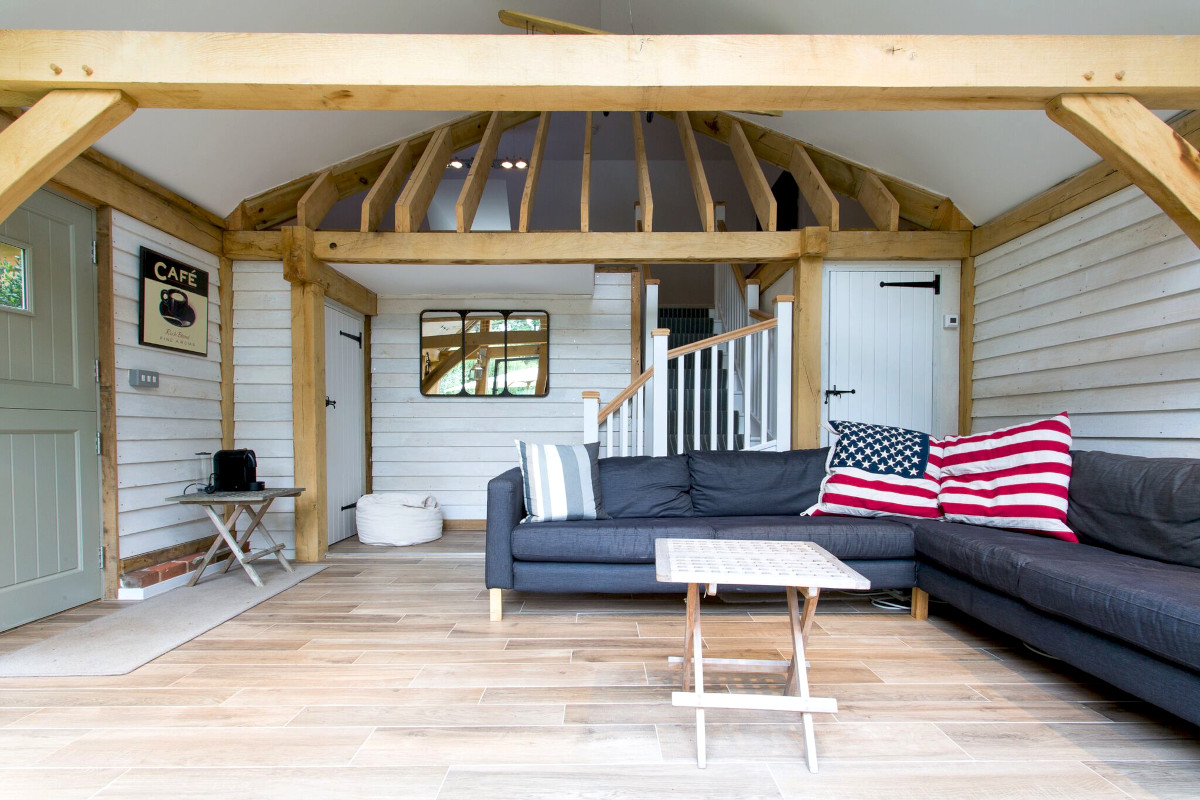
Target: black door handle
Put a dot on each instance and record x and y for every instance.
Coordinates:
(836, 392)
(330, 403)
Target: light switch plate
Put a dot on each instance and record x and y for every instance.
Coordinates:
(143, 378)
(950, 321)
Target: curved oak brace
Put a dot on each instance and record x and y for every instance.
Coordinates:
(50, 135)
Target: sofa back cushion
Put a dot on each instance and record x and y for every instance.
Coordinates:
(645, 486)
(748, 483)
(1149, 507)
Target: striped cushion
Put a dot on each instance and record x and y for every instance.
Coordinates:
(562, 481)
(1014, 478)
(877, 470)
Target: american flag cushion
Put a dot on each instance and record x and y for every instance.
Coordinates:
(877, 470)
(1014, 477)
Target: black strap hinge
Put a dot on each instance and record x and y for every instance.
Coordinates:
(355, 336)
(935, 284)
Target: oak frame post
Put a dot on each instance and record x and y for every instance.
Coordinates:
(807, 281)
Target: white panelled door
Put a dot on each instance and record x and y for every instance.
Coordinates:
(345, 430)
(880, 359)
(49, 470)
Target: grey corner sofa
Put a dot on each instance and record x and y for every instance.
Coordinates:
(1123, 604)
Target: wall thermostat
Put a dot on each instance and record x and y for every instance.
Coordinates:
(143, 378)
(950, 321)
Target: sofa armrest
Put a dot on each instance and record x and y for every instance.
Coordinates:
(505, 510)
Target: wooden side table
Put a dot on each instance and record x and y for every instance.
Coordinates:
(798, 567)
(255, 504)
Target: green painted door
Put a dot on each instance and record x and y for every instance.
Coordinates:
(49, 470)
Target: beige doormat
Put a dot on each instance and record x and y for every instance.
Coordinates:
(125, 640)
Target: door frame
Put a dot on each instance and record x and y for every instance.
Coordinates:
(366, 409)
(945, 351)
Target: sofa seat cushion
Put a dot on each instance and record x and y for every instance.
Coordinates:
(1150, 604)
(746, 483)
(610, 541)
(988, 556)
(843, 537)
(645, 486)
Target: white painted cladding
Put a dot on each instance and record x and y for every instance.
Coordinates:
(262, 383)
(1098, 314)
(160, 430)
(451, 448)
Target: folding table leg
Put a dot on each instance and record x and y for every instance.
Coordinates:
(224, 537)
(798, 671)
(693, 610)
(698, 663)
(255, 522)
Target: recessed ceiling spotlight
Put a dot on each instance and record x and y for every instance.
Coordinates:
(521, 163)
(456, 163)
(506, 164)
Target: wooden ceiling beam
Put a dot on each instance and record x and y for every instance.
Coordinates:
(766, 208)
(691, 154)
(50, 135)
(816, 191)
(387, 186)
(439, 72)
(645, 195)
(919, 206)
(585, 189)
(422, 184)
(878, 202)
(316, 202)
(278, 205)
(535, 170)
(477, 176)
(1156, 158)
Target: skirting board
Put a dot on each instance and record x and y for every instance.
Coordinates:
(143, 592)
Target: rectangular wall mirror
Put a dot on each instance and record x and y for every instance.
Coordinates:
(485, 353)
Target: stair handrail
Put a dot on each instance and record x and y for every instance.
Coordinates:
(626, 393)
(722, 338)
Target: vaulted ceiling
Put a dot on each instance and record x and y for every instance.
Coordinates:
(987, 161)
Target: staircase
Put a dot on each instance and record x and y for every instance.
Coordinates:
(706, 382)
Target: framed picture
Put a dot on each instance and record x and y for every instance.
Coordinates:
(174, 306)
(485, 353)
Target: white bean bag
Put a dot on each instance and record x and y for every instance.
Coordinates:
(397, 519)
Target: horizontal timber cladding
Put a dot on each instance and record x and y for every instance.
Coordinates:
(262, 383)
(160, 430)
(1098, 314)
(451, 447)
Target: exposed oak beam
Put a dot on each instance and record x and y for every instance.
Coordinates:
(1082, 189)
(296, 246)
(576, 73)
(898, 245)
(645, 195)
(585, 190)
(535, 169)
(477, 176)
(1156, 158)
(761, 197)
(691, 154)
(386, 187)
(878, 202)
(50, 135)
(316, 202)
(813, 186)
(418, 192)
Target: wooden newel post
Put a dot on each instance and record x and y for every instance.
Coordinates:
(783, 371)
(658, 391)
(591, 412)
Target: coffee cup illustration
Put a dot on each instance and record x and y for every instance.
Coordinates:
(175, 309)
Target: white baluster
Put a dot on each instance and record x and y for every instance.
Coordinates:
(608, 430)
(658, 392)
(649, 319)
(783, 372)
(747, 388)
(729, 380)
(712, 399)
(752, 293)
(680, 377)
(591, 411)
(764, 384)
(696, 404)
(639, 423)
(624, 412)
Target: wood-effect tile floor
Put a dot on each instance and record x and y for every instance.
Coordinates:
(384, 678)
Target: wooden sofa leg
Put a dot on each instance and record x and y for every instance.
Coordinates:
(920, 603)
(497, 604)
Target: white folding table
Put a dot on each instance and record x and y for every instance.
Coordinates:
(255, 505)
(798, 567)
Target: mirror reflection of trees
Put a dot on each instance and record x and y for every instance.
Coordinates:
(485, 353)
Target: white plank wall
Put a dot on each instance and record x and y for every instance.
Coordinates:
(262, 382)
(451, 448)
(1098, 314)
(158, 431)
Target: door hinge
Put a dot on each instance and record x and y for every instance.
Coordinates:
(95, 250)
(355, 336)
(100, 553)
(935, 284)
(97, 442)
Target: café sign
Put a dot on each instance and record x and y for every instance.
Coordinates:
(174, 313)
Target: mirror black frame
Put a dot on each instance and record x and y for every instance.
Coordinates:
(463, 314)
